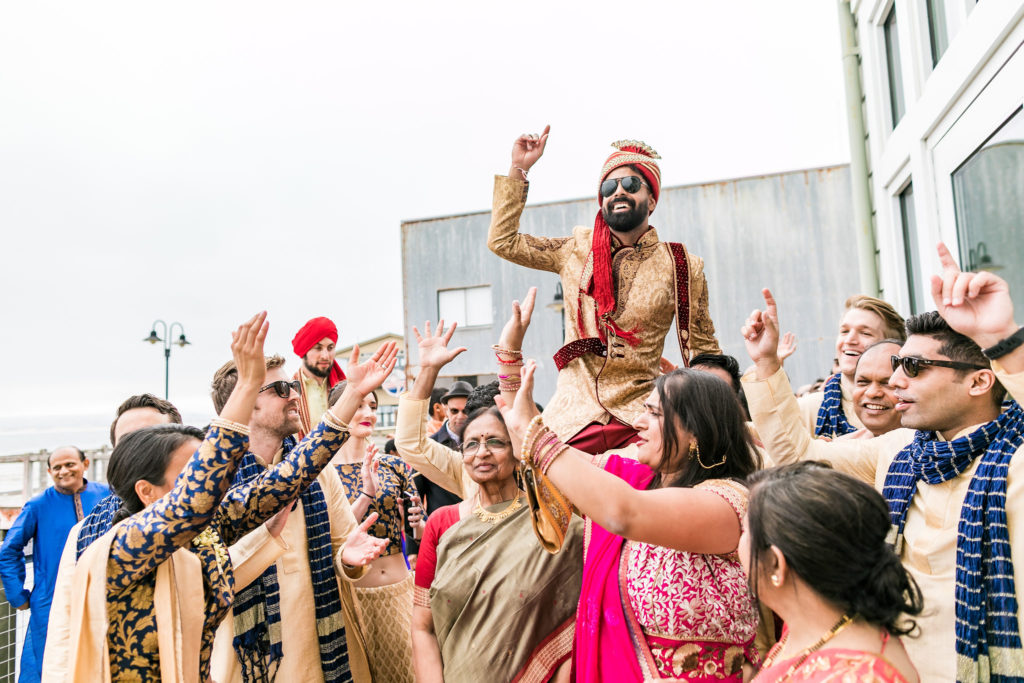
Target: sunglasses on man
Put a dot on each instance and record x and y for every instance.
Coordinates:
(912, 366)
(630, 184)
(284, 388)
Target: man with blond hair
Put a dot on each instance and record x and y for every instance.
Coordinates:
(866, 320)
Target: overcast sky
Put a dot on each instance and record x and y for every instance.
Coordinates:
(197, 162)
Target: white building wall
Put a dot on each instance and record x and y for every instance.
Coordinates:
(951, 110)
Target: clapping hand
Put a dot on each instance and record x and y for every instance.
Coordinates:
(361, 548)
(515, 329)
(369, 471)
(527, 149)
(247, 350)
(370, 374)
(977, 305)
(433, 348)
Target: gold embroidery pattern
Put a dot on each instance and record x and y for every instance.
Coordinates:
(180, 518)
(395, 480)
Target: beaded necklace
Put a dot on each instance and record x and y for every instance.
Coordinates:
(845, 621)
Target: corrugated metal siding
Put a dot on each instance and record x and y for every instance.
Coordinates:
(791, 232)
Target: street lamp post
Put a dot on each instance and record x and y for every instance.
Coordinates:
(154, 338)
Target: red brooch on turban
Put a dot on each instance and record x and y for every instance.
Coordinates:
(642, 156)
(308, 336)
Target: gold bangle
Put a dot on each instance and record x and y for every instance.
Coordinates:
(230, 424)
(332, 421)
(528, 437)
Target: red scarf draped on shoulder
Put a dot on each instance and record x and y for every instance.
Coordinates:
(601, 287)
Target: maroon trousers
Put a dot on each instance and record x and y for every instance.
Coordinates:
(597, 438)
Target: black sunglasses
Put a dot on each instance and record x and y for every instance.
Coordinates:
(630, 184)
(912, 366)
(283, 388)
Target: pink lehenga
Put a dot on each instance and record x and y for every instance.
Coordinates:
(649, 612)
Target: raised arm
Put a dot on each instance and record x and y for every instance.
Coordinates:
(651, 516)
(509, 349)
(436, 462)
(775, 411)
(149, 537)
(979, 306)
(504, 238)
(247, 506)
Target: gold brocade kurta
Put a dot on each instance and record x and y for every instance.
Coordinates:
(930, 535)
(592, 388)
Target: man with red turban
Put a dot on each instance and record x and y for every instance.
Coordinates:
(622, 286)
(320, 371)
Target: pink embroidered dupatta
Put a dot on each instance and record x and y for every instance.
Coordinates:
(604, 642)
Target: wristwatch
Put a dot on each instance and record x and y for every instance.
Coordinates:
(1005, 346)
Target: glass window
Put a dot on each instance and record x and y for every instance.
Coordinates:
(937, 29)
(915, 279)
(469, 306)
(988, 193)
(892, 60)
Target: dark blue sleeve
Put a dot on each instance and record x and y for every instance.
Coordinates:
(12, 555)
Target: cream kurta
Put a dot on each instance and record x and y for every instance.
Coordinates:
(930, 534)
(810, 404)
(592, 388)
(314, 397)
(301, 661)
(250, 556)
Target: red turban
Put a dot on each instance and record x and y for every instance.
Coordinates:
(642, 156)
(308, 336)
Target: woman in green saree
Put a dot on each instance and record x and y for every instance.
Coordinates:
(490, 602)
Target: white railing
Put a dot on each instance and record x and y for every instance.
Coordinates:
(34, 477)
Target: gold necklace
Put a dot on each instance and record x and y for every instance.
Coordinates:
(802, 657)
(495, 517)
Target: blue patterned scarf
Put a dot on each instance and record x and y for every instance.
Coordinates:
(832, 421)
(97, 522)
(257, 607)
(988, 643)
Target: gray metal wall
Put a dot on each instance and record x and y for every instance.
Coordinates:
(791, 232)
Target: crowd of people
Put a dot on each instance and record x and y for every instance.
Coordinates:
(650, 523)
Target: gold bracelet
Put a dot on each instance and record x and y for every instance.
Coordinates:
(230, 424)
(332, 421)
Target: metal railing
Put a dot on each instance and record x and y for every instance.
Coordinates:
(13, 627)
(34, 477)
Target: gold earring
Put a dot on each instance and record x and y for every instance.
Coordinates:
(695, 453)
(776, 581)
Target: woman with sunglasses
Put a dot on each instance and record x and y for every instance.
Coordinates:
(663, 595)
(491, 604)
(815, 552)
(381, 484)
(150, 593)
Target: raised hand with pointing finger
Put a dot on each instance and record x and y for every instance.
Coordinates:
(526, 150)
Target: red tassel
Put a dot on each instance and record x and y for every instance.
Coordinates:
(601, 285)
